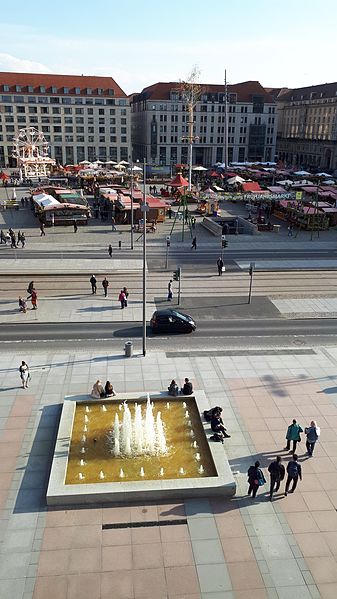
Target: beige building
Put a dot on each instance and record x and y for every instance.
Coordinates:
(159, 121)
(81, 117)
(307, 126)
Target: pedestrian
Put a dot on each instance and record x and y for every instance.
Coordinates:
(30, 287)
(105, 285)
(113, 226)
(219, 264)
(2, 237)
(169, 212)
(13, 241)
(19, 237)
(293, 434)
(193, 222)
(33, 299)
(194, 243)
(277, 472)
(42, 227)
(313, 433)
(23, 239)
(122, 298)
(93, 283)
(290, 230)
(22, 305)
(294, 471)
(24, 374)
(186, 215)
(75, 226)
(169, 291)
(126, 293)
(256, 478)
(110, 250)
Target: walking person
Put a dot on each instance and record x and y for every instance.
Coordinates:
(24, 374)
(121, 299)
(256, 478)
(293, 434)
(186, 215)
(313, 433)
(169, 291)
(290, 230)
(113, 225)
(110, 250)
(33, 299)
(42, 227)
(105, 285)
(220, 265)
(93, 283)
(23, 239)
(2, 237)
(169, 212)
(126, 293)
(75, 226)
(277, 472)
(19, 237)
(30, 287)
(194, 243)
(294, 471)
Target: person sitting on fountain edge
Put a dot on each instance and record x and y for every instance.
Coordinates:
(173, 389)
(187, 389)
(97, 391)
(217, 424)
(109, 390)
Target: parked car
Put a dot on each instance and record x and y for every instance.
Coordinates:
(171, 321)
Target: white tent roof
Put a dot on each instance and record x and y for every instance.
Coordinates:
(323, 175)
(302, 174)
(199, 168)
(44, 200)
(236, 179)
(286, 182)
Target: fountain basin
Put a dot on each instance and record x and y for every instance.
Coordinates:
(175, 474)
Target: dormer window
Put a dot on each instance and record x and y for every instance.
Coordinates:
(42, 89)
(18, 88)
(66, 90)
(54, 90)
(6, 88)
(111, 92)
(77, 91)
(99, 91)
(89, 91)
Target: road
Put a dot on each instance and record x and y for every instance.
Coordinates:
(207, 329)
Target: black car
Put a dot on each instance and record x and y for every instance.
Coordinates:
(171, 321)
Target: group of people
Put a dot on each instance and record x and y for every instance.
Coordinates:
(277, 470)
(11, 237)
(98, 391)
(32, 295)
(186, 389)
(122, 297)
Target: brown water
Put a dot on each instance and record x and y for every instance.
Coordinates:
(98, 456)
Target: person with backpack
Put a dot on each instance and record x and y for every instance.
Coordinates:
(293, 434)
(256, 478)
(277, 472)
(312, 432)
(294, 471)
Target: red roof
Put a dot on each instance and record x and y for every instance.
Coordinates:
(251, 186)
(244, 91)
(60, 81)
(179, 181)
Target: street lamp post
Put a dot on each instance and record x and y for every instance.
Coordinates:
(131, 196)
(144, 209)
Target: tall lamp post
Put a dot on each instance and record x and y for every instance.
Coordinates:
(131, 196)
(144, 209)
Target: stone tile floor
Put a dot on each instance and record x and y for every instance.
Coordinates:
(232, 549)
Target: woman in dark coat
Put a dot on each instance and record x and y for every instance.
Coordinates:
(255, 478)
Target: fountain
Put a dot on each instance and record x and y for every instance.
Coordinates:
(136, 449)
(104, 408)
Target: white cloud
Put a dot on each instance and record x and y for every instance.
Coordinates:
(21, 65)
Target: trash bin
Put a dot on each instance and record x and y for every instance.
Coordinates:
(128, 347)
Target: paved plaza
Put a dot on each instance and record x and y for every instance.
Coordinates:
(231, 549)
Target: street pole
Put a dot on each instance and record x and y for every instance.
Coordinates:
(131, 195)
(226, 125)
(179, 286)
(144, 208)
(168, 242)
(190, 139)
(251, 270)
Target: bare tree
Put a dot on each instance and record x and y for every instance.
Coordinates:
(190, 92)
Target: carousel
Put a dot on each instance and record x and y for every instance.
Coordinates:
(31, 151)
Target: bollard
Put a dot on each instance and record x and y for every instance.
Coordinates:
(128, 347)
(120, 245)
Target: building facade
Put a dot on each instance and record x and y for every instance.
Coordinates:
(307, 127)
(159, 124)
(81, 117)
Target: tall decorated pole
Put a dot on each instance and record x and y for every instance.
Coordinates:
(190, 92)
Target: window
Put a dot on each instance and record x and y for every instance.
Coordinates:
(111, 92)
(123, 130)
(113, 121)
(6, 88)
(79, 129)
(10, 128)
(112, 110)
(57, 120)
(54, 100)
(30, 89)
(68, 120)
(112, 129)
(123, 140)
(79, 110)
(57, 129)
(56, 110)
(79, 100)
(44, 109)
(42, 100)
(101, 111)
(67, 110)
(113, 139)
(20, 109)
(99, 91)
(101, 121)
(102, 139)
(42, 89)
(68, 129)
(80, 138)
(91, 139)
(17, 88)
(69, 138)
(21, 119)
(31, 109)
(66, 100)
(54, 90)
(99, 101)
(33, 119)
(90, 120)
(123, 121)
(45, 119)
(90, 110)
(77, 90)
(91, 129)
(124, 153)
(45, 129)
(79, 120)
(123, 103)
(89, 101)
(66, 90)
(101, 129)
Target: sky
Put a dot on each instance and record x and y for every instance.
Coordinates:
(291, 43)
